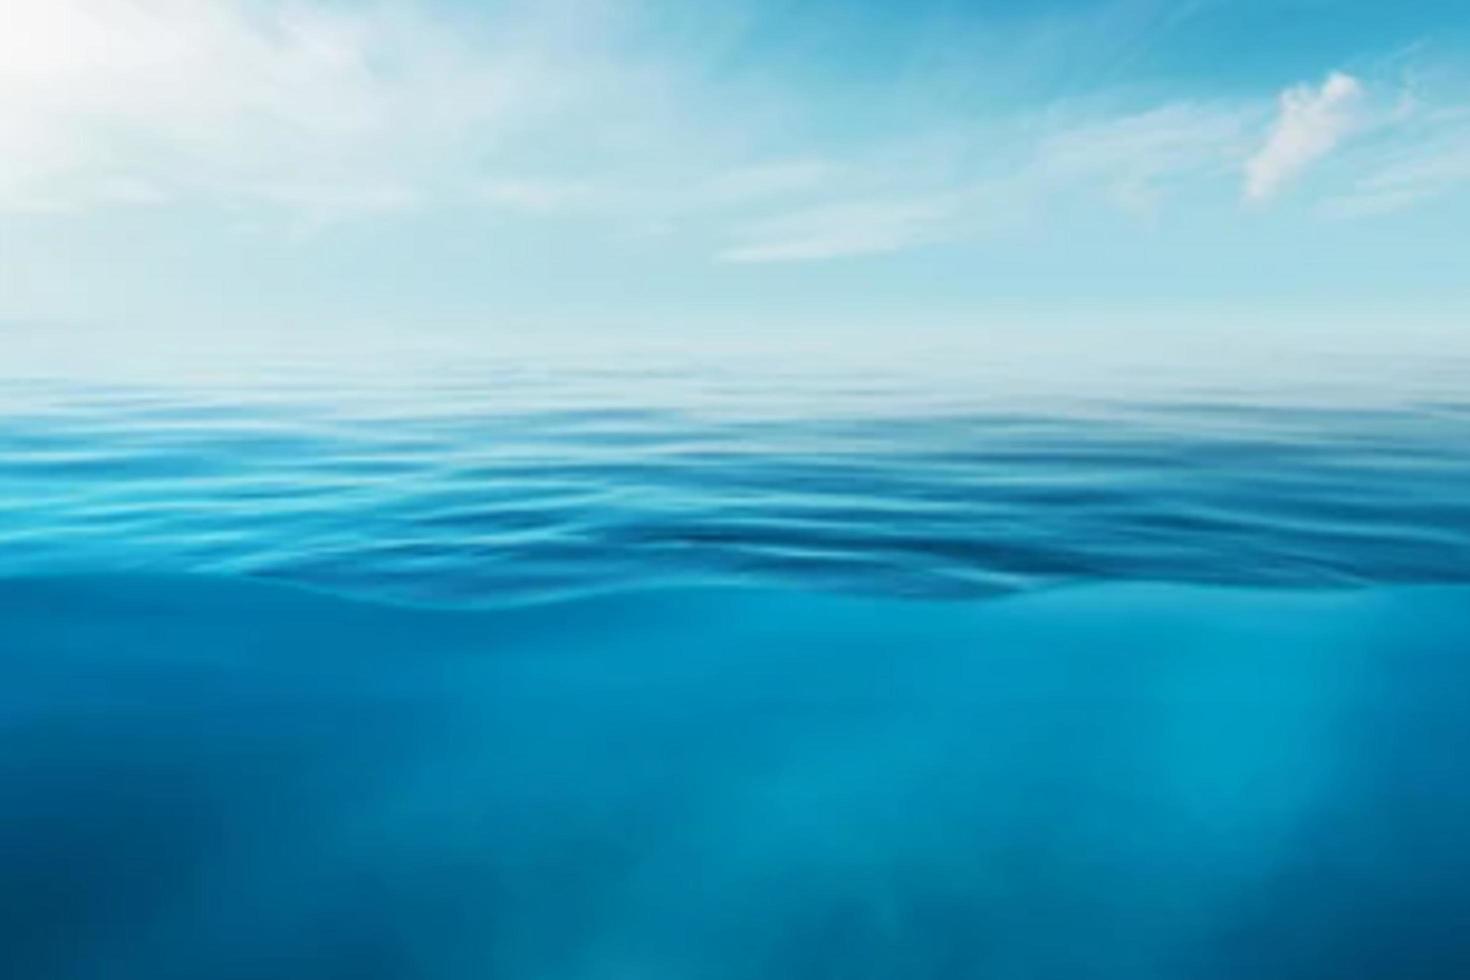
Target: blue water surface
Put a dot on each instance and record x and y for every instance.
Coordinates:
(501, 670)
(505, 479)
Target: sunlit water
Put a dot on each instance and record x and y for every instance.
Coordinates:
(735, 667)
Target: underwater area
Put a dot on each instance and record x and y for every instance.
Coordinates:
(734, 670)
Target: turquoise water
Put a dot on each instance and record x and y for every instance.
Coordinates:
(512, 479)
(588, 674)
(224, 779)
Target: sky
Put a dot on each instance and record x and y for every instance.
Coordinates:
(864, 168)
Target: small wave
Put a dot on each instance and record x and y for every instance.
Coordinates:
(474, 496)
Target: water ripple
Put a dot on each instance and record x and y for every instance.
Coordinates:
(470, 498)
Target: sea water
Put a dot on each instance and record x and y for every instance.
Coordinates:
(570, 670)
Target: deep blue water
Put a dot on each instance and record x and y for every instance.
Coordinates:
(511, 671)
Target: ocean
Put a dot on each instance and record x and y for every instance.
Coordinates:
(738, 666)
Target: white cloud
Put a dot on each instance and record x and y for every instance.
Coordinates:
(331, 107)
(324, 110)
(1310, 124)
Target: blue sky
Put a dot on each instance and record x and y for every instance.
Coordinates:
(594, 165)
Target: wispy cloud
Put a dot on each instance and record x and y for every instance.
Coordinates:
(1311, 122)
(862, 227)
(1138, 157)
(1428, 157)
(1131, 161)
(763, 181)
(325, 107)
(296, 113)
(538, 195)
